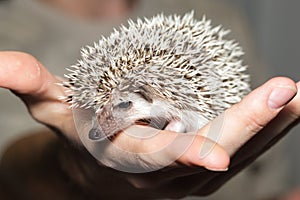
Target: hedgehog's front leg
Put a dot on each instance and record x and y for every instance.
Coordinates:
(189, 121)
(176, 126)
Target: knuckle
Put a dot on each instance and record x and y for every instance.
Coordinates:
(294, 114)
(294, 108)
(251, 119)
(253, 124)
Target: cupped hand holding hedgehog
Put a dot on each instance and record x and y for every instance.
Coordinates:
(173, 68)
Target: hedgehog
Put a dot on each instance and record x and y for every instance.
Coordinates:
(169, 72)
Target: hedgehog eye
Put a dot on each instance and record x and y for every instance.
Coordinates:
(125, 104)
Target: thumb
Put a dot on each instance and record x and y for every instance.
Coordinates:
(244, 120)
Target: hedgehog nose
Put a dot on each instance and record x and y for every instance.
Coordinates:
(96, 134)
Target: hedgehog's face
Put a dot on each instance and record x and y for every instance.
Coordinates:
(126, 108)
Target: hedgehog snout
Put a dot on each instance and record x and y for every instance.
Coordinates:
(110, 120)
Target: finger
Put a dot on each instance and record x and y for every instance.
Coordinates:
(284, 121)
(23, 74)
(152, 150)
(38, 88)
(187, 149)
(243, 120)
(267, 137)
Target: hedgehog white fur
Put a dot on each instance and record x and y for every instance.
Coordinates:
(173, 72)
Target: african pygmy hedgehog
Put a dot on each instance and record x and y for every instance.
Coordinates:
(169, 72)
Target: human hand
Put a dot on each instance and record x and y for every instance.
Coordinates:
(247, 123)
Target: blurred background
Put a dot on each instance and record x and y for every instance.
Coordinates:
(276, 29)
(268, 30)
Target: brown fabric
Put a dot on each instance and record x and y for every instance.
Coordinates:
(31, 169)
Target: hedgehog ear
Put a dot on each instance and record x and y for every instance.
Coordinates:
(145, 93)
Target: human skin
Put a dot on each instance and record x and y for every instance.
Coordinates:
(249, 129)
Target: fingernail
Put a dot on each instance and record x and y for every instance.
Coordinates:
(217, 169)
(280, 96)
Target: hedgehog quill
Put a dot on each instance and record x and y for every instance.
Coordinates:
(169, 72)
